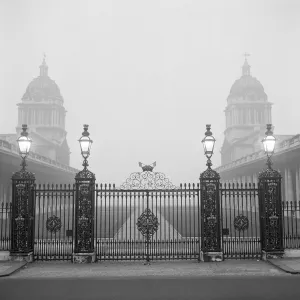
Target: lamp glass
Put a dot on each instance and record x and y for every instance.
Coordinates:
(85, 145)
(208, 144)
(24, 145)
(269, 144)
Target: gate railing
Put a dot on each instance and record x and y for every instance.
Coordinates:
(240, 222)
(147, 224)
(5, 226)
(54, 219)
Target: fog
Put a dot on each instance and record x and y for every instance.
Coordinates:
(147, 76)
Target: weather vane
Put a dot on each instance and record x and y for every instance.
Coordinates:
(246, 54)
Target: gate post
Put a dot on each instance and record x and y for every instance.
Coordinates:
(23, 209)
(270, 205)
(210, 207)
(84, 250)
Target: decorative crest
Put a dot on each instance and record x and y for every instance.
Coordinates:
(24, 130)
(147, 167)
(147, 180)
(85, 128)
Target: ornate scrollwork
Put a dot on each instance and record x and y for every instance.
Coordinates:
(269, 173)
(209, 174)
(23, 174)
(84, 190)
(147, 223)
(147, 180)
(21, 189)
(241, 223)
(53, 224)
(84, 216)
(85, 174)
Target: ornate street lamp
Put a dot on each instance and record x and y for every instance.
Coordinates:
(23, 211)
(208, 145)
(24, 143)
(85, 145)
(269, 144)
(270, 203)
(210, 206)
(84, 249)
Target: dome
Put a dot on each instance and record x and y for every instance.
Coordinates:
(42, 87)
(247, 85)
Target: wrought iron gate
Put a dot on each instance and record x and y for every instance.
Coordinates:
(147, 224)
(240, 220)
(54, 219)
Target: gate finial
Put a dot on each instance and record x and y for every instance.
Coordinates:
(147, 167)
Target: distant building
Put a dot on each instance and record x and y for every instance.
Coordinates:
(43, 111)
(247, 113)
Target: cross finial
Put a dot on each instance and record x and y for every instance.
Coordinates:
(246, 54)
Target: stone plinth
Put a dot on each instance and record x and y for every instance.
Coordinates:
(272, 254)
(28, 257)
(83, 258)
(211, 256)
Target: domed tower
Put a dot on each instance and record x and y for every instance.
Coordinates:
(247, 113)
(43, 111)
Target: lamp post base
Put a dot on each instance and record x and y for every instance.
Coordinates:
(271, 254)
(28, 257)
(83, 258)
(211, 256)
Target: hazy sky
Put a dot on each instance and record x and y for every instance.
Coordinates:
(147, 75)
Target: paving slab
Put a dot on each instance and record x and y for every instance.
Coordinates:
(289, 265)
(170, 269)
(7, 268)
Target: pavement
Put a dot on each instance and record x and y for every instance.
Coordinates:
(60, 269)
(121, 269)
(8, 268)
(288, 265)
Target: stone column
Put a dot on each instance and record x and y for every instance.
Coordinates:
(297, 198)
(290, 191)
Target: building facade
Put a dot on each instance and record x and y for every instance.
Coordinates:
(242, 157)
(42, 109)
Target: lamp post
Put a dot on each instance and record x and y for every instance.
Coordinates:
(22, 222)
(269, 145)
(24, 143)
(210, 205)
(85, 145)
(270, 206)
(84, 250)
(208, 145)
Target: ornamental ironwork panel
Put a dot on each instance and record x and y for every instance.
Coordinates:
(147, 179)
(84, 213)
(241, 223)
(271, 211)
(53, 224)
(210, 212)
(22, 212)
(147, 224)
